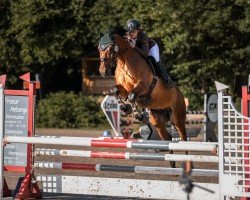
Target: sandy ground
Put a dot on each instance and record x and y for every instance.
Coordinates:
(12, 177)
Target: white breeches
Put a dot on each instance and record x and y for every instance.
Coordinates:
(154, 51)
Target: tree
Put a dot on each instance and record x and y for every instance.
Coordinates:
(9, 48)
(43, 36)
(205, 41)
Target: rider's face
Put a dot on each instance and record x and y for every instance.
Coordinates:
(133, 34)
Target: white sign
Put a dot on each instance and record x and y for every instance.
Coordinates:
(111, 109)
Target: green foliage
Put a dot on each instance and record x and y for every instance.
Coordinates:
(201, 41)
(206, 41)
(106, 13)
(48, 30)
(69, 110)
(37, 35)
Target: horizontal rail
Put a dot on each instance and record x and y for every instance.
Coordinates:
(163, 145)
(128, 169)
(127, 155)
(86, 138)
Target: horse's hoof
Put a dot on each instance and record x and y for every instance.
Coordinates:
(131, 97)
(126, 108)
(114, 91)
(143, 117)
(172, 164)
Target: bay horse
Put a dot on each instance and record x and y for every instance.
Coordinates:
(136, 82)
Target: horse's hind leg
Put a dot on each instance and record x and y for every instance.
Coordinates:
(158, 118)
(179, 118)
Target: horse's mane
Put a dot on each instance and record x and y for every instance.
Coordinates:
(119, 30)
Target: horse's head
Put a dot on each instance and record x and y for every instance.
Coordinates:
(111, 45)
(107, 49)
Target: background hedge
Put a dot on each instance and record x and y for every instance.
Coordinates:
(69, 110)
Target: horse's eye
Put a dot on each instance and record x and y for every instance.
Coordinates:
(103, 46)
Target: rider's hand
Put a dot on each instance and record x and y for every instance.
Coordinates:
(132, 44)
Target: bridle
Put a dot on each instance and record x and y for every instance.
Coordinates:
(115, 54)
(108, 61)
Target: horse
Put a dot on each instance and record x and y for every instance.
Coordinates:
(136, 82)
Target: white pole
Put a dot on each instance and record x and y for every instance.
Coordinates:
(136, 169)
(130, 156)
(221, 143)
(164, 145)
(52, 141)
(193, 147)
(75, 138)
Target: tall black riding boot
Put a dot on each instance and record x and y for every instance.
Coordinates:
(164, 74)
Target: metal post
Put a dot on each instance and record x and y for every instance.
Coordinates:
(248, 79)
(1, 137)
(205, 118)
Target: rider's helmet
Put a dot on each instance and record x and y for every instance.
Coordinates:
(133, 24)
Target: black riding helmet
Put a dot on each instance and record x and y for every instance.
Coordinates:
(133, 24)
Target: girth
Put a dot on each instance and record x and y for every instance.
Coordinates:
(146, 98)
(152, 85)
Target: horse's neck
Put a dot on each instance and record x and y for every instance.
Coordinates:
(134, 62)
(123, 68)
(132, 67)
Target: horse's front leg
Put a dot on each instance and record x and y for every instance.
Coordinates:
(138, 90)
(119, 91)
(121, 94)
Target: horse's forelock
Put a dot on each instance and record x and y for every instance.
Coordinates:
(105, 40)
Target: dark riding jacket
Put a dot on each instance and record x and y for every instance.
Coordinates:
(143, 44)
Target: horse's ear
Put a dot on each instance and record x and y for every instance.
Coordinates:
(101, 34)
(111, 29)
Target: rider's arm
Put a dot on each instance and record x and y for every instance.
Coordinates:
(144, 50)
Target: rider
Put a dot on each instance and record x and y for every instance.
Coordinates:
(146, 47)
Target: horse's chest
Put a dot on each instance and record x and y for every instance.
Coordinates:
(126, 81)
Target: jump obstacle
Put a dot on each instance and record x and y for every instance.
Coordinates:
(232, 149)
